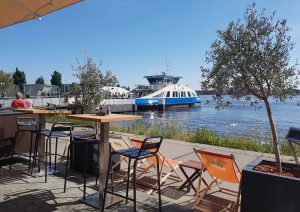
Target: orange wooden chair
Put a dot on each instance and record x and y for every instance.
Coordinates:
(167, 166)
(220, 167)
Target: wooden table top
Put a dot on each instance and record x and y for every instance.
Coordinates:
(42, 111)
(102, 119)
(191, 164)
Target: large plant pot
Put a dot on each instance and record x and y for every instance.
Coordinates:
(268, 192)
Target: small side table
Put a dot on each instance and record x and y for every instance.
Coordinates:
(196, 166)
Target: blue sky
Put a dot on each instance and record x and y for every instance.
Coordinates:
(132, 38)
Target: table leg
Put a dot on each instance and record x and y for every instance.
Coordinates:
(104, 155)
(189, 179)
(96, 199)
(41, 145)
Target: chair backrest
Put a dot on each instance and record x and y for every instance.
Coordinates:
(221, 166)
(119, 142)
(81, 133)
(61, 127)
(147, 145)
(26, 123)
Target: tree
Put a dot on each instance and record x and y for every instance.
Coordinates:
(40, 80)
(19, 77)
(252, 57)
(88, 93)
(6, 82)
(56, 78)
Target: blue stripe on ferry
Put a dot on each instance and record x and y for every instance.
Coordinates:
(168, 101)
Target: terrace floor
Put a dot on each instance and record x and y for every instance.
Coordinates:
(21, 192)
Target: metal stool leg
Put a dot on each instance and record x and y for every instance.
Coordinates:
(85, 170)
(66, 173)
(30, 152)
(134, 185)
(36, 144)
(55, 156)
(46, 160)
(50, 153)
(128, 176)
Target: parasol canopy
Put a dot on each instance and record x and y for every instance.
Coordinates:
(17, 11)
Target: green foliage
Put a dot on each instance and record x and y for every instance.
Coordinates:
(201, 135)
(19, 77)
(40, 81)
(56, 78)
(88, 93)
(53, 119)
(6, 82)
(252, 57)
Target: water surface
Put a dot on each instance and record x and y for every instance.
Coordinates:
(237, 120)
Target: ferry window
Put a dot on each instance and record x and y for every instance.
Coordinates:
(168, 94)
(182, 94)
(189, 94)
(173, 93)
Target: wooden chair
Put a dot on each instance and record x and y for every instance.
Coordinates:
(167, 166)
(220, 167)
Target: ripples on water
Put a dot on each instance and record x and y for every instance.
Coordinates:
(238, 120)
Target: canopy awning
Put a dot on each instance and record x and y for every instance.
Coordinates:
(17, 11)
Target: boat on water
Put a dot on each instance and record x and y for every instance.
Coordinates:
(163, 92)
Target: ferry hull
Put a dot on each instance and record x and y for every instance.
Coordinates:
(160, 103)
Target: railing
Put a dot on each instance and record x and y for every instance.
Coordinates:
(41, 101)
(118, 102)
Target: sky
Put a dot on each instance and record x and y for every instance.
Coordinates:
(132, 38)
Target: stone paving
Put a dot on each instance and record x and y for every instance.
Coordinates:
(21, 192)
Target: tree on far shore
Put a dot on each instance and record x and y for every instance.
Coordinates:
(252, 57)
(56, 78)
(40, 80)
(19, 77)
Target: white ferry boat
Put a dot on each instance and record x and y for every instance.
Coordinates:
(169, 94)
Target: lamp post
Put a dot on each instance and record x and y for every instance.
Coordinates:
(84, 57)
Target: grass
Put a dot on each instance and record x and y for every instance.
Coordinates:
(201, 135)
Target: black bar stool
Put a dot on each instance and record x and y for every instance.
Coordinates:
(24, 124)
(58, 130)
(85, 139)
(148, 149)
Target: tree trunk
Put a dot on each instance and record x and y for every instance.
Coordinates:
(274, 136)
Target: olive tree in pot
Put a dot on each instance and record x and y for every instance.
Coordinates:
(251, 58)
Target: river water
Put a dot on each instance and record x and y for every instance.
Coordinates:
(238, 120)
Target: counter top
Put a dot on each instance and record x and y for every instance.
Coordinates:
(8, 111)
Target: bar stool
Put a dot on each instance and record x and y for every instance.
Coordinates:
(24, 124)
(147, 149)
(85, 138)
(58, 130)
